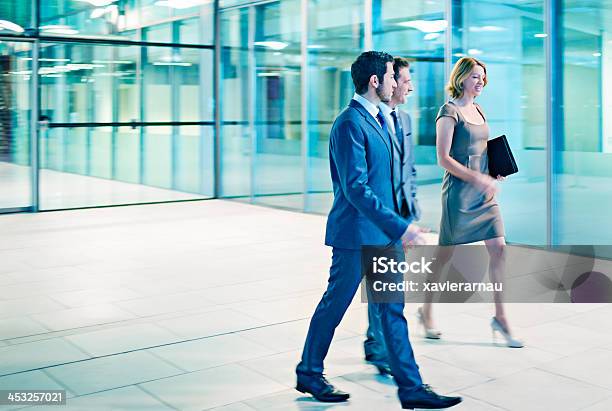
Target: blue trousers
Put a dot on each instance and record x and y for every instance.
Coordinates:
(374, 346)
(344, 277)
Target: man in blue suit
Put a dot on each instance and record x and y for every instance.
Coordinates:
(365, 212)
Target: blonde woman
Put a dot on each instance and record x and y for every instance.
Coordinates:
(470, 212)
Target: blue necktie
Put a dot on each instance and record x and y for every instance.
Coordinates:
(383, 123)
(399, 133)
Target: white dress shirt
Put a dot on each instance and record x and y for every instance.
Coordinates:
(386, 111)
(369, 106)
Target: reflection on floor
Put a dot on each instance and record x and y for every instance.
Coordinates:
(205, 305)
(66, 190)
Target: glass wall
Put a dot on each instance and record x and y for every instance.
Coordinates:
(261, 105)
(168, 21)
(125, 102)
(237, 118)
(15, 114)
(335, 37)
(546, 201)
(582, 184)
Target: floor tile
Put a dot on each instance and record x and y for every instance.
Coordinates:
(26, 306)
(536, 390)
(122, 338)
(596, 320)
(38, 354)
(493, 362)
(281, 309)
(94, 296)
(605, 405)
(559, 337)
(584, 366)
(532, 314)
(162, 304)
(210, 323)
(287, 336)
(105, 373)
(211, 352)
(82, 317)
(20, 327)
(238, 406)
(122, 399)
(33, 380)
(212, 388)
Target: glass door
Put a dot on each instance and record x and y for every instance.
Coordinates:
(16, 108)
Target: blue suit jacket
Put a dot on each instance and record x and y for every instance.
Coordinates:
(364, 211)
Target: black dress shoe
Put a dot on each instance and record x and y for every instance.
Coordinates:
(425, 398)
(321, 389)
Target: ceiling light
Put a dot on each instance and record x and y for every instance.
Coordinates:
(540, 35)
(181, 4)
(82, 66)
(597, 54)
(9, 25)
(171, 63)
(431, 36)
(426, 26)
(112, 62)
(476, 29)
(98, 3)
(58, 29)
(101, 11)
(274, 45)
(474, 52)
(96, 13)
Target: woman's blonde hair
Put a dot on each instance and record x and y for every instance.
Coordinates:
(460, 72)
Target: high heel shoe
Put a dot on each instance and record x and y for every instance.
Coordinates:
(511, 342)
(430, 333)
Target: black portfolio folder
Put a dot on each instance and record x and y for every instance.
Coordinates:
(501, 160)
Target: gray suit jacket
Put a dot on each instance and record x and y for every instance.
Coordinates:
(408, 164)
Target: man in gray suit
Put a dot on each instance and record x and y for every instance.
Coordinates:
(400, 129)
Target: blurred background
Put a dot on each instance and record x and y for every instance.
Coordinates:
(112, 102)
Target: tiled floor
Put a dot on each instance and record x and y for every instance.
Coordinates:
(205, 305)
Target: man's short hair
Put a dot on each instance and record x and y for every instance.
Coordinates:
(366, 65)
(398, 64)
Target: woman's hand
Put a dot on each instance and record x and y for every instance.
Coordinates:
(501, 178)
(486, 184)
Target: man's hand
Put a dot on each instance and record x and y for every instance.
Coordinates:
(414, 236)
